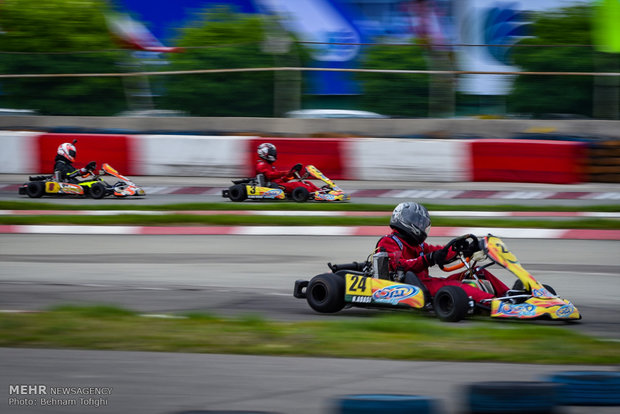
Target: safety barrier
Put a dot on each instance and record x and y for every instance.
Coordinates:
(397, 159)
(555, 162)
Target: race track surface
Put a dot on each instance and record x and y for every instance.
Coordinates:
(243, 274)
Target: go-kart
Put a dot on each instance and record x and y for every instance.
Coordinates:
(257, 188)
(371, 284)
(92, 185)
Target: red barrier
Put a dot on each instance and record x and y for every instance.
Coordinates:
(116, 150)
(554, 162)
(326, 154)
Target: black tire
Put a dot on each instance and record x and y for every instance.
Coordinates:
(237, 193)
(35, 189)
(325, 293)
(97, 191)
(512, 397)
(300, 194)
(451, 303)
(519, 286)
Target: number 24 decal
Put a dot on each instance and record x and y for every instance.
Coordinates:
(358, 285)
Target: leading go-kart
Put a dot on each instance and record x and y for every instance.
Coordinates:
(92, 185)
(257, 188)
(371, 284)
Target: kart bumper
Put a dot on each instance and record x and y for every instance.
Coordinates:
(555, 309)
(299, 291)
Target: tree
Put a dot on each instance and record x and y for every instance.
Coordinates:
(403, 95)
(39, 38)
(538, 95)
(221, 39)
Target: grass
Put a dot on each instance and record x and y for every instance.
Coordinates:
(399, 335)
(284, 205)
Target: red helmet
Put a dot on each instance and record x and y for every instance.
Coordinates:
(267, 152)
(67, 150)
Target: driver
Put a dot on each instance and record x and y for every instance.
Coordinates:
(407, 251)
(268, 155)
(63, 164)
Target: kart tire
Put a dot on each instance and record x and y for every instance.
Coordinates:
(300, 194)
(97, 191)
(588, 388)
(237, 193)
(451, 303)
(385, 403)
(519, 286)
(535, 397)
(35, 189)
(325, 293)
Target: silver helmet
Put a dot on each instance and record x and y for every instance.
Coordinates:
(412, 221)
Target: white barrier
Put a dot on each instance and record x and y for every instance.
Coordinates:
(17, 152)
(183, 155)
(409, 159)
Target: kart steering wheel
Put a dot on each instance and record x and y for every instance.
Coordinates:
(467, 243)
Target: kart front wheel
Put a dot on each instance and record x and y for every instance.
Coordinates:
(97, 191)
(325, 293)
(300, 194)
(237, 193)
(35, 189)
(451, 303)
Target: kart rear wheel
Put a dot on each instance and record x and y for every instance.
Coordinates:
(35, 189)
(300, 194)
(325, 293)
(97, 191)
(237, 193)
(451, 303)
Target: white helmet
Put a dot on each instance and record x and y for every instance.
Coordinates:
(267, 152)
(67, 150)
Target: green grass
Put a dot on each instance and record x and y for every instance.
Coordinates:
(284, 205)
(400, 335)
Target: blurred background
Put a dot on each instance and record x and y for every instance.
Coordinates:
(549, 59)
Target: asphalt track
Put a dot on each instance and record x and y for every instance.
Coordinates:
(234, 275)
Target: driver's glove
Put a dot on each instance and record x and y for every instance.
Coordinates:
(437, 256)
(296, 168)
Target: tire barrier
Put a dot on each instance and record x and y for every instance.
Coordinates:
(603, 163)
(590, 388)
(385, 403)
(532, 397)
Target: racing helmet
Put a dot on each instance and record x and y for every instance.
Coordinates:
(267, 152)
(67, 150)
(412, 221)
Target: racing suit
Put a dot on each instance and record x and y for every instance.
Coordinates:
(281, 178)
(64, 170)
(407, 257)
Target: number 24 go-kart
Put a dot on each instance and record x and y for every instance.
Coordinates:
(93, 185)
(370, 284)
(258, 189)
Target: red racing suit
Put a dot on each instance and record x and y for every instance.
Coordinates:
(412, 258)
(282, 178)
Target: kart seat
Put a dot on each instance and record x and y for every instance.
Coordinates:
(412, 279)
(261, 180)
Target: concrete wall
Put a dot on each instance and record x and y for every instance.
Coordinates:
(439, 128)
